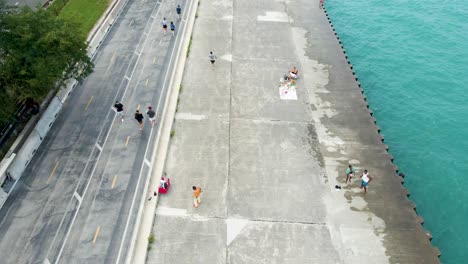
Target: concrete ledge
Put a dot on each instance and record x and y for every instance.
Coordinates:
(419, 219)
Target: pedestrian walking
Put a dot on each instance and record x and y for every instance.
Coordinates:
(212, 58)
(139, 119)
(120, 109)
(179, 12)
(151, 116)
(365, 179)
(349, 173)
(164, 24)
(172, 28)
(196, 196)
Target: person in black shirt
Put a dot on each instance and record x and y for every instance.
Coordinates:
(179, 11)
(139, 118)
(120, 109)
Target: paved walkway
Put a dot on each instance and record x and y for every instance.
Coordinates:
(268, 166)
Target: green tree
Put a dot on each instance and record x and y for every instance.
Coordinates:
(38, 52)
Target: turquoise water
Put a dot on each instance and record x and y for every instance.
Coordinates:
(411, 57)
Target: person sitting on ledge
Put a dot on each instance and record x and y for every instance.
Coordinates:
(293, 72)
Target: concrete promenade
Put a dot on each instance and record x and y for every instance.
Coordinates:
(268, 167)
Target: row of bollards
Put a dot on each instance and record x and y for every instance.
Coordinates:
(400, 175)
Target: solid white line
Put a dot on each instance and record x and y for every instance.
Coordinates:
(132, 204)
(139, 214)
(99, 155)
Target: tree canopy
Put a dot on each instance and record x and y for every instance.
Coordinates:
(38, 52)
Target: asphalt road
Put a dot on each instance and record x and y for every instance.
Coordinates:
(76, 202)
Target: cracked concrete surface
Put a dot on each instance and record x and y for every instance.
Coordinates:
(268, 166)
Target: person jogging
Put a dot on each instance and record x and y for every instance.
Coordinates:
(151, 115)
(139, 119)
(172, 28)
(212, 58)
(119, 109)
(164, 25)
(179, 12)
(196, 196)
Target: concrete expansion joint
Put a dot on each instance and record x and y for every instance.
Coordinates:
(273, 120)
(262, 220)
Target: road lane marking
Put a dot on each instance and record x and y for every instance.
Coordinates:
(146, 34)
(130, 23)
(154, 60)
(96, 234)
(78, 197)
(53, 171)
(141, 169)
(138, 108)
(128, 138)
(89, 102)
(146, 84)
(113, 182)
(151, 23)
(138, 54)
(98, 147)
(148, 162)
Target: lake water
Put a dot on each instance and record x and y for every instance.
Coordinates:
(411, 57)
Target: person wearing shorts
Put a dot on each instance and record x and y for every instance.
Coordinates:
(120, 109)
(349, 173)
(196, 196)
(172, 28)
(365, 179)
(139, 119)
(164, 24)
(212, 58)
(179, 11)
(151, 115)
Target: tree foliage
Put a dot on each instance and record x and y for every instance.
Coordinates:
(38, 52)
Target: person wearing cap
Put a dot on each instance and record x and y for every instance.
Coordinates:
(151, 116)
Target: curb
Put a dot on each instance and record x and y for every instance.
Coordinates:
(401, 176)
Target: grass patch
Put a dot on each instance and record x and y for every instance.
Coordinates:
(151, 239)
(196, 14)
(189, 46)
(180, 88)
(87, 12)
(172, 132)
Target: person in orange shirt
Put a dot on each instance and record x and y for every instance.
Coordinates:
(196, 196)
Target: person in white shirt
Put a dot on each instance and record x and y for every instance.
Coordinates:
(365, 179)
